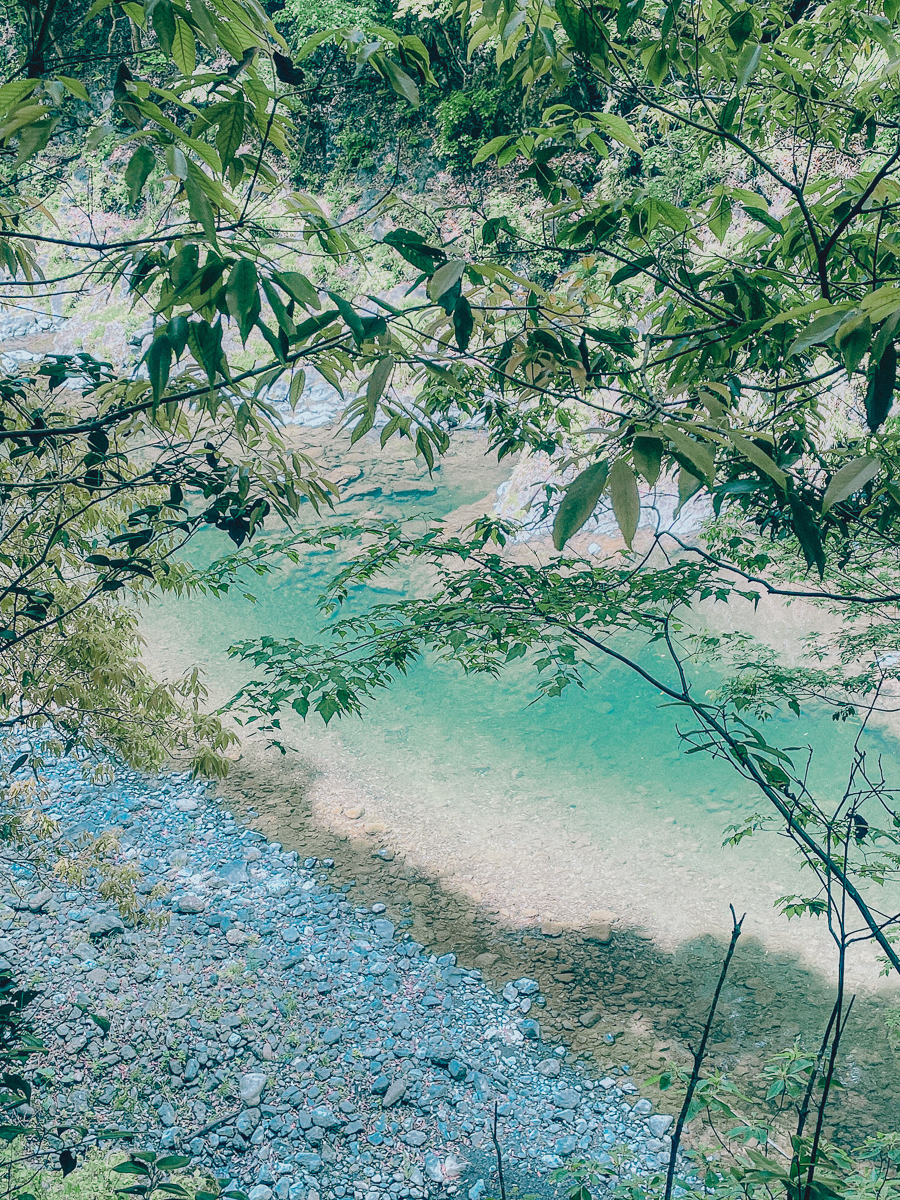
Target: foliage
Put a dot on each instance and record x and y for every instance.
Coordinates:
(106, 472)
(467, 119)
(740, 345)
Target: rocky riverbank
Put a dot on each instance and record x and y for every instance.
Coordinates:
(279, 1034)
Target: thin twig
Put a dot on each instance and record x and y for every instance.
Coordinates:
(700, 1054)
(498, 1154)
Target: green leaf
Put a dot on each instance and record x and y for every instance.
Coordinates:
(162, 19)
(75, 88)
(403, 84)
(173, 1162)
(759, 458)
(138, 171)
(849, 479)
(631, 269)
(299, 287)
(619, 130)
(444, 278)
(490, 148)
(720, 217)
(646, 452)
(688, 485)
(230, 132)
(199, 206)
(626, 500)
(242, 295)
(808, 535)
(823, 328)
(378, 381)
(628, 13)
(852, 338)
(463, 322)
(15, 92)
(658, 64)
(747, 62)
(584, 26)
(579, 502)
(740, 27)
(33, 139)
(415, 249)
(159, 360)
(184, 49)
(698, 455)
(882, 381)
(351, 317)
(97, 7)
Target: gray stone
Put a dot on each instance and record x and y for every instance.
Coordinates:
(395, 1092)
(251, 1087)
(659, 1124)
(548, 1067)
(566, 1098)
(39, 900)
(166, 1114)
(331, 1036)
(190, 904)
(325, 1118)
(456, 1070)
(259, 1192)
(244, 1123)
(565, 1146)
(383, 929)
(415, 1137)
(441, 1054)
(530, 1028)
(643, 1108)
(102, 924)
(527, 987)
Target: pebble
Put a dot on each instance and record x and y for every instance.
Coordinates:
(251, 1087)
(382, 1063)
(102, 924)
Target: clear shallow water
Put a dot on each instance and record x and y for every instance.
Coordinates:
(477, 732)
(585, 802)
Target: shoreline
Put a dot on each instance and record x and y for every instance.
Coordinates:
(282, 1032)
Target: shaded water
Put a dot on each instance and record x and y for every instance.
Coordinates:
(506, 819)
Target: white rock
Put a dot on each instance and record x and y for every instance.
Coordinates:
(251, 1087)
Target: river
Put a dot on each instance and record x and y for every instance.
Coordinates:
(510, 832)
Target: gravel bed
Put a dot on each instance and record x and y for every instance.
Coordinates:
(282, 1036)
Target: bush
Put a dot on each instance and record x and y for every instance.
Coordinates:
(466, 120)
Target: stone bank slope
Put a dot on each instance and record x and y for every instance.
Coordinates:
(281, 1036)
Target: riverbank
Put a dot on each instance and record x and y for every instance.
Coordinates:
(283, 1033)
(510, 836)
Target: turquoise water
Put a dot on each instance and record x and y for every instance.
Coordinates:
(438, 725)
(467, 768)
(505, 795)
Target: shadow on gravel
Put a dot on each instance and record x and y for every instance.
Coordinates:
(623, 1008)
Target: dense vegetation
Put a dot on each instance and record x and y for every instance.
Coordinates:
(656, 242)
